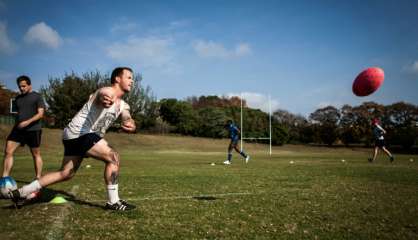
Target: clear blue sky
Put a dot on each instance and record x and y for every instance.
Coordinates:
(305, 54)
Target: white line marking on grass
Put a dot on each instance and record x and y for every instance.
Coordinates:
(57, 227)
(182, 197)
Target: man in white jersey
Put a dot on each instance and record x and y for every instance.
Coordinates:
(83, 137)
(379, 139)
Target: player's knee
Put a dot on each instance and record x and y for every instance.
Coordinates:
(36, 156)
(113, 157)
(36, 153)
(67, 174)
(8, 152)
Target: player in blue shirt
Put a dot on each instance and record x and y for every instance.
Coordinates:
(378, 133)
(234, 135)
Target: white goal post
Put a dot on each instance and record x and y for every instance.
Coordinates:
(253, 138)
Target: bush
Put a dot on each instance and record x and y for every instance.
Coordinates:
(405, 137)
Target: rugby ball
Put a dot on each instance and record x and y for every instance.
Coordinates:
(7, 184)
(368, 81)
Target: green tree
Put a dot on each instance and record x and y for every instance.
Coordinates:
(215, 101)
(279, 134)
(143, 104)
(179, 114)
(307, 134)
(326, 124)
(211, 122)
(401, 119)
(292, 122)
(256, 124)
(66, 96)
(349, 130)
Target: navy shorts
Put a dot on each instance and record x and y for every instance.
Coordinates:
(79, 146)
(234, 140)
(379, 143)
(30, 138)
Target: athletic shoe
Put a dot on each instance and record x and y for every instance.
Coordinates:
(16, 198)
(247, 159)
(227, 162)
(392, 159)
(120, 206)
(370, 160)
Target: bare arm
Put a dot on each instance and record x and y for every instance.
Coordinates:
(380, 127)
(104, 97)
(128, 123)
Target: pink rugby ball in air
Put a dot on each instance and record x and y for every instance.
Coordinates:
(368, 81)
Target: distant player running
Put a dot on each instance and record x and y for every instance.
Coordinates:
(83, 137)
(234, 133)
(378, 133)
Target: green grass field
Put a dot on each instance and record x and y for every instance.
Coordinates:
(180, 195)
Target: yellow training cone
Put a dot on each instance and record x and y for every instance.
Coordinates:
(58, 200)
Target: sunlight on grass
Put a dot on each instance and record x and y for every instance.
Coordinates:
(181, 195)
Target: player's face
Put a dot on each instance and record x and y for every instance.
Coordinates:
(126, 80)
(24, 87)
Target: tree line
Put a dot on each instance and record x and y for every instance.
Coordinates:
(205, 116)
(352, 124)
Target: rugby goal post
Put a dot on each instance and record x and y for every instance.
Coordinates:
(254, 138)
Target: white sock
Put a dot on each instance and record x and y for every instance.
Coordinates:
(30, 188)
(113, 193)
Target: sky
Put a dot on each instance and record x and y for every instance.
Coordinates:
(303, 54)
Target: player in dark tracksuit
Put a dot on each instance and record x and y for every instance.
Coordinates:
(234, 136)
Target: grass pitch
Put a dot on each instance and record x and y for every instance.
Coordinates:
(180, 195)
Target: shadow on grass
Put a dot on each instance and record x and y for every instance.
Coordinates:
(47, 194)
(205, 198)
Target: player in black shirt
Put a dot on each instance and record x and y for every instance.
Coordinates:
(27, 129)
